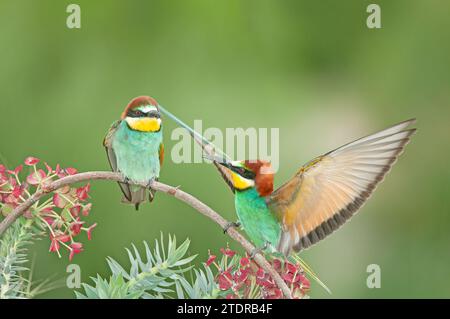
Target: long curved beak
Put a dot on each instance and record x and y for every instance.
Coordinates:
(206, 145)
(225, 168)
(217, 159)
(210, 151)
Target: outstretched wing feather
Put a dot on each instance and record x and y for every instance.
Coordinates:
(326, 192)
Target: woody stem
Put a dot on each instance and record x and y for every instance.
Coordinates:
(174, 191)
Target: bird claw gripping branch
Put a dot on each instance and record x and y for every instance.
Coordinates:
(231, 224)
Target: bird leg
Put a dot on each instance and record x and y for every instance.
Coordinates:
(126, 180)
(258, 250)
(151, 193)
(150, 182)
(231, 224)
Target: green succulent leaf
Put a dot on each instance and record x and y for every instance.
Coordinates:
(153, 274)
(15, 272)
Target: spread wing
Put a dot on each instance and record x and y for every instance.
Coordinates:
(107, 143)
(327, 191)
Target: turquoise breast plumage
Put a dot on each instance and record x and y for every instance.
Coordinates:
(256, 219)
(137, 153)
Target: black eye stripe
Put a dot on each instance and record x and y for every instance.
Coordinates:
(245, 173)
(134, 113)
(139, 113)
(249, 175)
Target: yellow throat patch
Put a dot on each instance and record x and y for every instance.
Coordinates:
(240, 182)
(146, 124)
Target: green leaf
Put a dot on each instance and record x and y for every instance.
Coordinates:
(15, 276)
(152, 274)
(116, 268)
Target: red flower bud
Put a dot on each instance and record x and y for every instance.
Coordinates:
(241, 276)
(289, 278)
(59, 201)
(64, 238)
(11, 199)
(75, 227)
(18, 191)
(36, 177)
(305, 284)
(260, 273)
(82, 192)
(75, 210)
(30, 161)
(49, 220)
(210, 260)
(16, 171)
(76, 248)
(227, 252)
(244, 262)
(54, 245)
(59, 172)
(71, 171)
(86, 209)
(276, 264)
(48, 167)
(225, 280)
(291, 268)
(89, 231)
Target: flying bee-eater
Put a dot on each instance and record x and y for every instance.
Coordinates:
(321, 196)
(134, 145)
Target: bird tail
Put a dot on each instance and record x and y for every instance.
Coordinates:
(138, 195)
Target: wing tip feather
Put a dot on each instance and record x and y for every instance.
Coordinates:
(342, 216)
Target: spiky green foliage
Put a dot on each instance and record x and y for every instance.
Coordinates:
(115, 288)
(204, 286)
(16, 278)
(13, 257)
(151, 276)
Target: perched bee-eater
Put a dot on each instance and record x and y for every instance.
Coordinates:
(321, 196)
(134, 145)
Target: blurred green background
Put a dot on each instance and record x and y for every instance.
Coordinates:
(311, 68)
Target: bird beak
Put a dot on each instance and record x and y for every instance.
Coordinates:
(217, 159)
(225, 168)
(154, 114)
(221, 161)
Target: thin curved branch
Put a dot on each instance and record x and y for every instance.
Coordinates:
(174, 191)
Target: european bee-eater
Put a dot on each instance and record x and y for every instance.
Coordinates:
(134, 145)
(321, 196)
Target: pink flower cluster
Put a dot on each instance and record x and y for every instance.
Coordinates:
(242, 278)
(61, 214)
